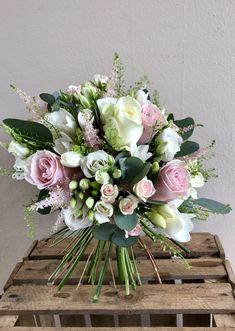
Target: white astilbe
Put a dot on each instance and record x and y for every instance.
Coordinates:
(59, 223)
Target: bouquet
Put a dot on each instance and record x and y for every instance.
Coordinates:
(116, 167)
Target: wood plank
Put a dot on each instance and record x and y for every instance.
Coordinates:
(117, 329)
(12, 275)
(159, 299)
(8, 320)
(30, 249)
(202, 244)
(38, 271)
(220, 247)
(224, 320)
(229, 270)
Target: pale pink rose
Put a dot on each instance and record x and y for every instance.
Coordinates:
(109, 192)
(152, 119)
(173, 182)
(135, 232)
(44, 169)
(144, 189)
(128, 205)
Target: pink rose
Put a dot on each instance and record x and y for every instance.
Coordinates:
(109, 192)
(173, 182)
(135, 232)
(44, 169)
(144, 189)
(152, 118)
(128, 205)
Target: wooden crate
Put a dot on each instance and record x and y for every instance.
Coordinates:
(192, 299)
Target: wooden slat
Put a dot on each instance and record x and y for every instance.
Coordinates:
(220, 247)
(9, 282)
(38, 271)
(202, 244)
(159, 299)
(117, 329)
(224, 320)
(29, 250)
(229, 270)
(8, 320)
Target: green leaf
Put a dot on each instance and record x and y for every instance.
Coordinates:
(188, 147)
(30, 130)
(43, 194)
(143, 172)
(130, 167)
(48, 98)
(119, 239)
(103, 231)
(186, 123)
(125, 222)
(121, 155)
(213, 206)
(157, 203)
(170, 117)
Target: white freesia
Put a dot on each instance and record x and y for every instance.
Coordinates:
(103, 211)
(141, 152)
(84, 116)
(71, 159)
(63, 121)
(19, 168)
(101, 78)
(72, 221)
(196, 181)
(171, 222)
(168, 144)
(142, 96)
(122, 121)
(99, 160)
(63, 144)
(18, 150)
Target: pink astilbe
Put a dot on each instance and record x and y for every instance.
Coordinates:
(58, 198)
(196, 155)
(90, 135)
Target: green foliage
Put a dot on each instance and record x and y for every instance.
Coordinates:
(187, 127)
(188, 147)
(103, 231)
(48, 98)
(133, 169)
(119, 239)
(125, 222)
(213, 206)
(28, 218)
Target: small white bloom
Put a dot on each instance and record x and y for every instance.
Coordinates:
(19, 168)
(63, 121)
(102, 177)
(72, 221)
(142, 96)
(18, 150)
(196, 181)
(95, 161)
(63, 144)
(101, 78)
(141, 152)
(103, 211)
(84, 116)
(109, 193)
(71, 159)
(169, 143)
(72, 89)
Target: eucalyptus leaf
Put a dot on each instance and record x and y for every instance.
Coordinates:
(125, 222)
(104, 231)
(130, 167)
(121, 155)
(30, 130)
(188, 147)
(119, 239)
(188, 125)
(143, 172)
(48, 98)
(213, 206)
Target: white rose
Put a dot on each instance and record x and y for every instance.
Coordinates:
(103, 211)
(84, 116)
(71, 159)
(109, 193)
(168, 144)
(196, 181)
(63, 121)
(95, 161)
(63, 144)
(122, 121)
(18, 150)
(72, 221)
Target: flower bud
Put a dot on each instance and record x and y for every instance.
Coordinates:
(84, 184)
(95, 185)
(102, 177)
(73, 185)
(90, 202)
(155, 168)
(79, 213)
(91, 215)
(157, 219)
(117, 173)
(84, 101)
(73, 203)
(81, 195)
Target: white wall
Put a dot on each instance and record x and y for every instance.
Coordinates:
(187, 48)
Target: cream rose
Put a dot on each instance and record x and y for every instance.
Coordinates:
(109, 193)
(144, 189)
(128, 205)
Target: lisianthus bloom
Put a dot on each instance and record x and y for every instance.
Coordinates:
(152, 119)
(122, 121)
(109, 192)
(196, 181)
(63, 121)
(73, 221)
(18, 150)
(95, 161)
(171, 222)
(168, 144)
(173, 182)
(128, 205)
(63, 144)
(44, 169)
(144, 189)
(103, 211)
(71, 159)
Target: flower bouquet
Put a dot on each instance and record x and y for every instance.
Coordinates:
(117, 168)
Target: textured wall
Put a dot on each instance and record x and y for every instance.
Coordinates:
(186, 47)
